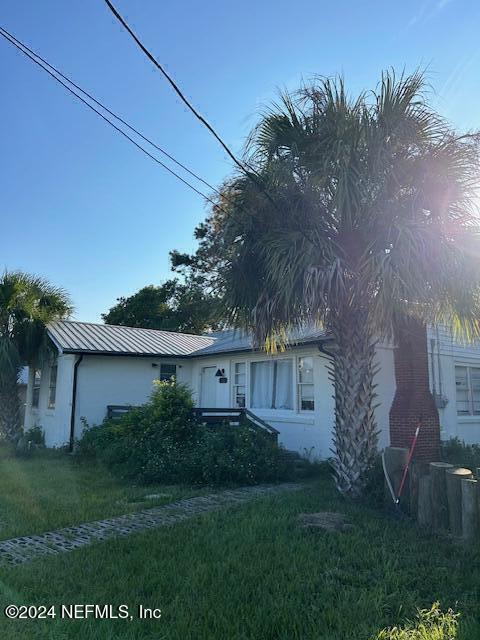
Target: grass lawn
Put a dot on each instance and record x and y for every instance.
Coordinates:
(54, 490)
(252, 573)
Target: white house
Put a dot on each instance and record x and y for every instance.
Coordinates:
(97, 367)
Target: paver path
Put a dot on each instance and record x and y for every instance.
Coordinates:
(26, 548)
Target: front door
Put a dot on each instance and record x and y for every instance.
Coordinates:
(208, 396)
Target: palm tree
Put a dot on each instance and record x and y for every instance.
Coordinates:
(365, 214)
(27, 304)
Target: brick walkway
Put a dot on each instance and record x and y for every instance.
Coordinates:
(26, 548)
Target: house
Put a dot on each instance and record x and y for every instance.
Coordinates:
(103, 368)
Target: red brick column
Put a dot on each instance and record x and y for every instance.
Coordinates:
(413, 399)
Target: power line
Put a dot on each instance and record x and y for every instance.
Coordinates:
(175, 87)
(5, 35)
(112, 113)
(249, 172)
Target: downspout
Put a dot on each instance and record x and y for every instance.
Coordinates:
(439, 364)
(74, 402)
(432, 362)
(325, 352)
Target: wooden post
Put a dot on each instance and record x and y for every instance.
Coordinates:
(454, 479)
(418, 469)
(424, 502)
(395, 462)
(438, 487)
(478, 496)
(469, 509)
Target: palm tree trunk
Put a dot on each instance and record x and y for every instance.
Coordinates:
(355, 435)
(10, 427)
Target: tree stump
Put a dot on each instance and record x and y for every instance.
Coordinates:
(469, 509)
(424, 508)
(438, 489)
(454, 479)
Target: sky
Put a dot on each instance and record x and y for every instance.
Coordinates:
(82, 207)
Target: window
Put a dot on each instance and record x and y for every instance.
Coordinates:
(239, 384)
(52, 387)
(168, 371)
(37, 378)
(306, 401)
(467, 382)
(272, 384)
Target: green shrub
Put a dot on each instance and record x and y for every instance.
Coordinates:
(374, 493)
(458, 453)
(30, 441)
(172, 406)
(36, 436)
(430, 624)
(237, 454)
(161, 442)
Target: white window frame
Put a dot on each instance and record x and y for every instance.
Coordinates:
(236, 386)
(52, 385)
(270, 410)
(300, 384)
(36, 387)
(471, 411)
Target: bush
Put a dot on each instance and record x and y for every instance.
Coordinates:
(430, 624)
(36, 436)
(463, 455)
(161, 442)
(30, 441)
(237, 454)
(374, 493)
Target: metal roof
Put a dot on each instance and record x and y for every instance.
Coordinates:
(105, 339)
(236, 340)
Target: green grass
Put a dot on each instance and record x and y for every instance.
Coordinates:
(52, 490)
(251, 573)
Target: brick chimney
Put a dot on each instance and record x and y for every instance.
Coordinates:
(413, 399)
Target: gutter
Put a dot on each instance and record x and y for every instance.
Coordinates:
(74, 402)
(187, 356)
(325, 352)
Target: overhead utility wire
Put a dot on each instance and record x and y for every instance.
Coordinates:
(248, 171)
(3, 33)
(112, 113)
(174, 85)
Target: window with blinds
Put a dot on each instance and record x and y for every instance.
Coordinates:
(239, 384)
(306, 397)
(467, 383)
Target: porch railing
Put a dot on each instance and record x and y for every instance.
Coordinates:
(233, 417)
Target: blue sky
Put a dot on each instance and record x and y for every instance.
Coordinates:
(80, 206)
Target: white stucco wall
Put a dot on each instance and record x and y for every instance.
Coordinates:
(54, 422)
(117, 380)
(308, 432)
(101, 381)
(108, 380)
(105, 380)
